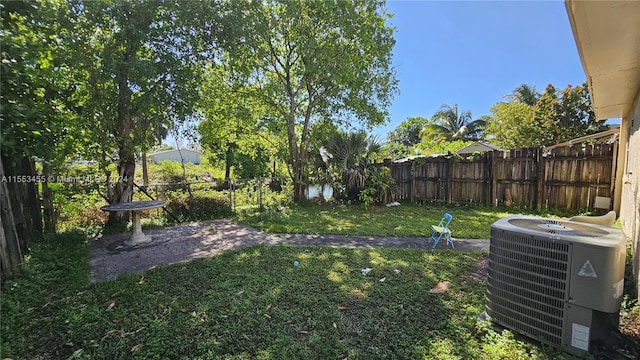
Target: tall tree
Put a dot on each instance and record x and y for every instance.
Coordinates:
(511, 126)
(347, 156)
(449, 124)
(525, 94)
(136, 68)
(556, 117)
(314, 61)
(233, 128)
(408, 132)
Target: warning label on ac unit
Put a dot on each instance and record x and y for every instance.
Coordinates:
(580, 337)
(587, 270)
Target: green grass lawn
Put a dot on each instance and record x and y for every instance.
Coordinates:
(254, 304)
(469, 222)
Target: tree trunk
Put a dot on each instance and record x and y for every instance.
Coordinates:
(145, 172)
(47, 200)
(228, 161)
(32, 196)
(123, 192)
(126, 150)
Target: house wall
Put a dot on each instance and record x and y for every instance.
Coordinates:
(630, 194)
(187, 155)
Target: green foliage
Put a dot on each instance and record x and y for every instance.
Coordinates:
(234, 130)
(312, 62)
(512, 126)
(253, 303)
(34, 109)
(555, 117)
(434, 148)
(379, 187)
(525, 94)
(36, 307)
(199, 205)
(171, 172)
(449, 124)
(469, 222)
(395, 151)
(408, 132)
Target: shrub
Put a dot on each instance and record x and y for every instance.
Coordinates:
(200, 205)
(379, 187)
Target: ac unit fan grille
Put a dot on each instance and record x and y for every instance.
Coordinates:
(527, 284)
(558, 227)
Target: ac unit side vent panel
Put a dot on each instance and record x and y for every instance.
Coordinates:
(546, 267)
(546, 249)
(527, 281)
(527, 315)
(544, 304)
(527, 326)
(527, 285)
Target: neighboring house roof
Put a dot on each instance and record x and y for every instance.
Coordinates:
(175, 150)
(612, 134)
(610, 52)
(479, 146)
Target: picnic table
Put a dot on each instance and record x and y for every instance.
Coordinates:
(137, 236)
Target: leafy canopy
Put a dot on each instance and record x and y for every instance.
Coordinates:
(309, 62)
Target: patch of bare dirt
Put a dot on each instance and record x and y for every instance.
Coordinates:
(480, 272)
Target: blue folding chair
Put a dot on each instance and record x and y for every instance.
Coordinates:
(442, 230)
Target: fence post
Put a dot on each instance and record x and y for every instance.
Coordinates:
(540, 175)
(412, 187)
(487, 177)
(449, 179)
(494, 178)
(260, 193)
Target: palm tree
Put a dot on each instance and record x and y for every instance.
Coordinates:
(448, 124)
(348, 155)
(525, 94)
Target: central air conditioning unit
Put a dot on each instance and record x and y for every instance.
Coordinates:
(559, 282)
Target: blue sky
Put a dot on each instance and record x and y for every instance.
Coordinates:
(474, 52)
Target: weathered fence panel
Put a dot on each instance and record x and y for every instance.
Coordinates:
(430, 180)
(574, 176)
(515, 180)
(566, 178)
(401, 172)
(470, 181)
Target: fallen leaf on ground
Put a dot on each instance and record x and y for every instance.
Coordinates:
(109, 333)
(136, 348)
(111, 306)
(342, 308)
(383, 279)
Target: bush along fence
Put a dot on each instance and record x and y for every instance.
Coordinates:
(566, 178)
(200, 200)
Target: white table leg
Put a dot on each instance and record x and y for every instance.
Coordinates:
(137, 237)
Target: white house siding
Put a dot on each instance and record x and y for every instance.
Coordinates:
(630, 201)
(189, 156)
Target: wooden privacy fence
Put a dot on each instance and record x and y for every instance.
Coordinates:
(567, 178)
